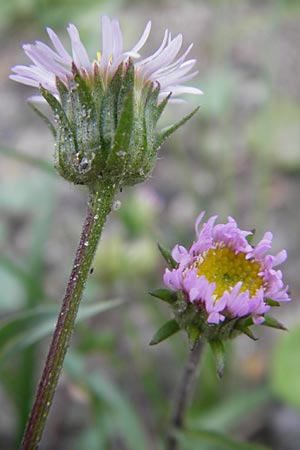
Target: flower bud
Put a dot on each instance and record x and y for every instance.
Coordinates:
(105, 133)
(106, 111)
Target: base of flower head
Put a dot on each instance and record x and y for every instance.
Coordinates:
(106, 134)
(194, 320)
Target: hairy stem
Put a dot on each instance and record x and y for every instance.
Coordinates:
(99, 206)
(183, 395)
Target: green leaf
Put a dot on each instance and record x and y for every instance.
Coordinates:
(168, 329)
(194, 335)
(114, 98)
(273, 323)
(26, 366)
(31, 160)
(161, 107)
(219, 355)
(117, 159)
(165, 295)
(211, 440)
(67, 144)
(250, 237)
(20, 322)
(12, 291)
(170, 130)
(21, 274)
(44, 118)
(115, 405)
(84, 116)
(285, 368)
(247, 331)
(246, 322)
(27, 328)
(63, 93)
(56, 107)
(271, 302)
(155, 110)
(231, 411)
(167, 256)
(127, 85)
(108, 121)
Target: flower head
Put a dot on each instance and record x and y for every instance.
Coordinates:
(106, 109)
(224, 276)
(163, 67)
(221, 285)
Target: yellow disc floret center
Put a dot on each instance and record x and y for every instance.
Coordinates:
(226, 268)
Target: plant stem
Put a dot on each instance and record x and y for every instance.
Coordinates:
(183, 395)
(99, 206)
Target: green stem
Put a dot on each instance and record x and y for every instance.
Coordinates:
(183, 395)
(99, 206)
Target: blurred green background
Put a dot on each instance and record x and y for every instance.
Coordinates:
(239, 156)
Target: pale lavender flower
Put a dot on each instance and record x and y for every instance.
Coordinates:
(164, 67)
(225, 276)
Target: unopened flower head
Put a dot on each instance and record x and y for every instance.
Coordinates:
(106, 109)
(224, 280)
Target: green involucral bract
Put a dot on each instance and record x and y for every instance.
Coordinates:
(107, 132)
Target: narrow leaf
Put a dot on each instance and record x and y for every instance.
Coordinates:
(167, 256)
(27, 328)
(194, 335)
(201, 439)
(250, 237)
(85, 96)
(231, 411)
(153, 109)
(43, 117)
(161, 107)
(21, 321)
(247, 322)
(63, 92)
(271, 302)
(65, 132)
(165, 295)
(273, 323)
(151, 95)
(127, 85)
(117, 158)
(113, 403)
(168, 329)
(247, 331)
(285, 368)
(31, 160)
(56, 107)
(109, 111)
(19, 272)
(219, 355)
(170, 130)
(82, 114)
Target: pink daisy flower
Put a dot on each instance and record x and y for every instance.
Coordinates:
(226, 277)
(166, 67)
